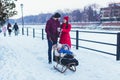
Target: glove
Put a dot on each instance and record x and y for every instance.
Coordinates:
(59, 29)
(62, 54)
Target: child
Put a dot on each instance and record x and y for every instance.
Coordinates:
(4, 29)
(63, 54)
(62, 50)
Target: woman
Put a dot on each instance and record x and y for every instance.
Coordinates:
(65, 29)
(9, 28)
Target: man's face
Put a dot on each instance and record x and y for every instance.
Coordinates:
(56, 18)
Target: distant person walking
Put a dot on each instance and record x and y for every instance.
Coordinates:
(16, 29)
(52, 34)
(4, 29)
(64, 34)
(9, 28)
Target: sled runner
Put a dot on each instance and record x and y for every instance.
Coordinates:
(64, 61)
(63, 67)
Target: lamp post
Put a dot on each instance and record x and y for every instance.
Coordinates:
(22, 19)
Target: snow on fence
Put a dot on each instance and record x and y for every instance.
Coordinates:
(91, 40)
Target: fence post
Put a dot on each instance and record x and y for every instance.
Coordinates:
(22, 31)
(118, 47)
(42, 34)
(27, 32)
(33, 32)
(77, 37)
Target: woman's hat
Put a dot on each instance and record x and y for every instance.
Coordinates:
(66, 18)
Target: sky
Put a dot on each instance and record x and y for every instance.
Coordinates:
(28, 61)
(34, 7)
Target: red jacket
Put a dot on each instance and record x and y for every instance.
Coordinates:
(65, 35)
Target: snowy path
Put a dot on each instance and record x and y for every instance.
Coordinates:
(25, 58)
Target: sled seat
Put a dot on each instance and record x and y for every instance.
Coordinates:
(65, 64)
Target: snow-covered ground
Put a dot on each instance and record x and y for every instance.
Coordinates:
(25, 58)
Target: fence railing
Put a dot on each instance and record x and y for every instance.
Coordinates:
(41, 34)
(117, 45)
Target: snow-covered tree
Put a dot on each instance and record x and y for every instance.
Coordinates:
(7, 9)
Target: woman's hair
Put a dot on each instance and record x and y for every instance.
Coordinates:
(66, 25)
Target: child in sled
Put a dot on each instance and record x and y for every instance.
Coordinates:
(64, 56)
(62, 50)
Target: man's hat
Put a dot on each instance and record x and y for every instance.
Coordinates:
(56, 15)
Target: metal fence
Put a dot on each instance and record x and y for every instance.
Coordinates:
(41, 34)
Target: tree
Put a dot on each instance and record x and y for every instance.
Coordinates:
(76, 15)
(7, 9)
(90, 13)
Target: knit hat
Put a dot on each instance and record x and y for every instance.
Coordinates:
(66, 46)
(56, 15)
(66, 18)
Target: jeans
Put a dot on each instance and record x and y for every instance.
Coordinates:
(50, 44)
(16, 32)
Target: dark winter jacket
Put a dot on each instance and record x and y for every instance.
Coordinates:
(51, 29)
(15, 27)
(9, 26)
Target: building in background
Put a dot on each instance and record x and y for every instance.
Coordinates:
(111, 13)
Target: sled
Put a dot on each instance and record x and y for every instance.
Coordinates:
(63, 68)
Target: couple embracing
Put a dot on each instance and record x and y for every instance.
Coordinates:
(55, 30)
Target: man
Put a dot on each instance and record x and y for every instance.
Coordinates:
(16, 28)
(52, 34)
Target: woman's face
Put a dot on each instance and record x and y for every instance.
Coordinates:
(64, 21)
